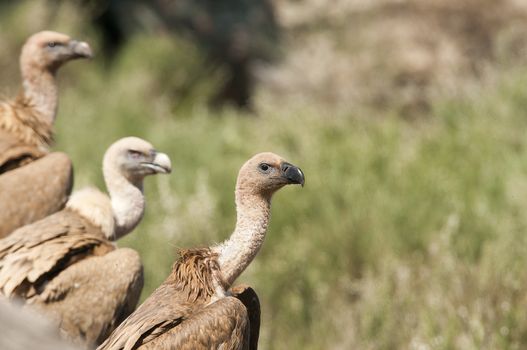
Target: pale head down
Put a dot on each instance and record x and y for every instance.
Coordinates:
(49, 50)
(134, 159)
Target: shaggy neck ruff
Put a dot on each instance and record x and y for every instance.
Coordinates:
(196, 275)
(30, 116)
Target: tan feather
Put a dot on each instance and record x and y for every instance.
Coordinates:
(15, 153)
(20, 119)
(222, 325)
(250, 299)
(34, 191)
(31, 254)
(78, 291)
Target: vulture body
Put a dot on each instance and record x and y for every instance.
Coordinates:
(34, 191)
(26, 132)
(66, 264)
(195, 308)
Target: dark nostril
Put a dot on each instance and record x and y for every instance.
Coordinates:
(285, 166)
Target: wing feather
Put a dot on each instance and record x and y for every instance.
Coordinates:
(162, 311)
(250, 299)
(15, 153)
(93, 296)
(223, 324)
(34, 191)
(164, 322)
(38, 251)
(170, 319)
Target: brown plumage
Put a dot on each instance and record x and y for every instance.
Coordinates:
(34, 191)
(26, 133)
(250, 300)
(178, 315)
(194, 308)
(27, 121)
(66, 264)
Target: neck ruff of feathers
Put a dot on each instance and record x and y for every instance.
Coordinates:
(197, 276)
(22, 119)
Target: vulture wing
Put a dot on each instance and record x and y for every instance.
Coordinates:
(221, 325)
(162, 311)
(165, 322)
(34, 191)
(93, 296)
(35, 253)
(14, 153)
(250, 299)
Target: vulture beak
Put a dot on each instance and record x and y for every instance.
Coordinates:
(80, 49)
(292, 174)
(160, 164)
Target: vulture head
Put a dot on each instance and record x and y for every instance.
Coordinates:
(49, 50)
(134, 159)
(265, 173)
(125, 165)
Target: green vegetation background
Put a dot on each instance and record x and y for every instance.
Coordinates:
(408, 234)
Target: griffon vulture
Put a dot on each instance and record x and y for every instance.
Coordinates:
(26, 133)
(66, 264)
(194, 308)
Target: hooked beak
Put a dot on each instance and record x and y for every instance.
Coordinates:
(160, 165)
(80, 49)
(292, 174)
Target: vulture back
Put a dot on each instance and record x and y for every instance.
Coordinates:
(15, 153)
(34, 191)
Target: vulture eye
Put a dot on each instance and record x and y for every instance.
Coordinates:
(52, 44)
(135, 154)
(264, 168)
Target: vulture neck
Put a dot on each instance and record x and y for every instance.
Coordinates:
(128, 201)
(237, 252)
(40, 91)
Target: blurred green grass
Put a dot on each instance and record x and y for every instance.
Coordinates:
(440, 201)
(407, 235)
